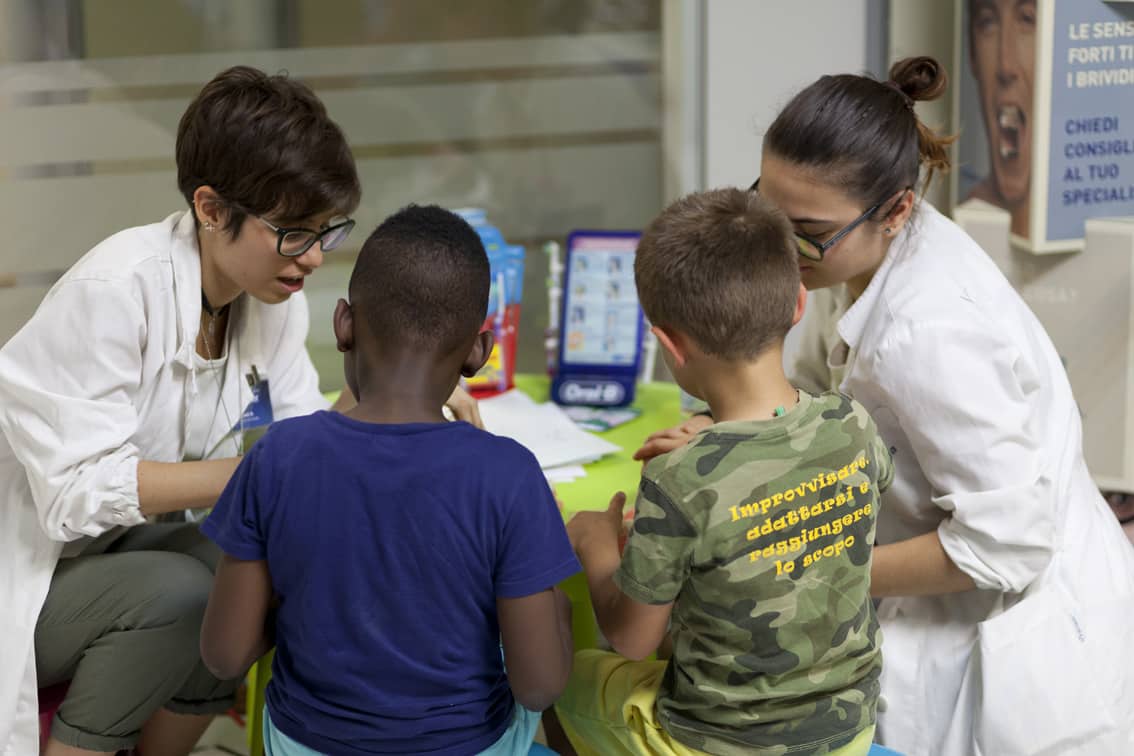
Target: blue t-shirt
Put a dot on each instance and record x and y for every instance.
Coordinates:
(388, 546)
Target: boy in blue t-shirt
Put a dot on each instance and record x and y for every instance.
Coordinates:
(389, 552)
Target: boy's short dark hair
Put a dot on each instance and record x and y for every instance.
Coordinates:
(422, 277)
(267, 146)
(720, 266)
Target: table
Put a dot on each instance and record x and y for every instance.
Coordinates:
(661, 408)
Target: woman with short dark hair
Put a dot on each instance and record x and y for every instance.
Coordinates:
(145, 373)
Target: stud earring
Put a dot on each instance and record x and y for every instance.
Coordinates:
(888, 231)
(209, 226)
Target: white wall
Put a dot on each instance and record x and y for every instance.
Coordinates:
(925, 27)
(758, 53)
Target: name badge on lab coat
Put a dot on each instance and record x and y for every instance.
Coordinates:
(254, 421)
(257, 415)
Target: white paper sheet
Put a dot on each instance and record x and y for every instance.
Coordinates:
(544, 429)
(564, 473)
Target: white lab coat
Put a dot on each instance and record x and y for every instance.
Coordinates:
(99, 378)
(969, 392)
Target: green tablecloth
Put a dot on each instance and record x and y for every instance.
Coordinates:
(661, 408)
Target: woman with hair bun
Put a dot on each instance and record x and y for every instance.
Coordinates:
(1006, 585)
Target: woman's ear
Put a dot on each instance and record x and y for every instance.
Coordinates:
(343, 325)
(899, 214)
(479, 353)
(209, 208)
(672, 342)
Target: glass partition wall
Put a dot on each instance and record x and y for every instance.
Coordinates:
(547, 113)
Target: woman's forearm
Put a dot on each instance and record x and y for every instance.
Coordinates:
(919, 566)
(174, 486)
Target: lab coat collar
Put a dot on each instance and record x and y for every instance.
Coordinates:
(186, 285)
(856, 318)
(244, 319)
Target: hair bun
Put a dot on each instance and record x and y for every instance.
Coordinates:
(921, 78)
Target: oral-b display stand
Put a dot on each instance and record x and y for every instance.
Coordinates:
(1085, 300)
(600, 321)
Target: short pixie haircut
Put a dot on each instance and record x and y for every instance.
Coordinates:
(721, 267)
(266, 145)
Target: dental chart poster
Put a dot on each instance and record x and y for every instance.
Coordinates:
(1045, 106)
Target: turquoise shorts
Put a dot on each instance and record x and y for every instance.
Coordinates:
(516, 740)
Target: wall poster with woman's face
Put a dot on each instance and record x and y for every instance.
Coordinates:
(996, 83)
(1045, 98)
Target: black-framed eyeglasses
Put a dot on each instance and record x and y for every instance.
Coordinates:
(812, 248)
(294, 241)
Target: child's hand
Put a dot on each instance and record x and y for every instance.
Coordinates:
(671, 438)
(588, 530)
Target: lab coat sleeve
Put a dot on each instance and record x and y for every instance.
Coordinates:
(805, 350)
(880, 453)
(964, 399)
(68, 383)
(295, 383)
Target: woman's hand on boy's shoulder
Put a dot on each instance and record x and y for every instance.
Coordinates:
(669, 439)
(600, 530)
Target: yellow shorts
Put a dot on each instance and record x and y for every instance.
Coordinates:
(608, 710)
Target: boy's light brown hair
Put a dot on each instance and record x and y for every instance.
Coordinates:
(721, 267)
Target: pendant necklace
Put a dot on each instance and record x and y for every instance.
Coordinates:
(214, 314)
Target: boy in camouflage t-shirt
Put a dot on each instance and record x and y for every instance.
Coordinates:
(753, 542)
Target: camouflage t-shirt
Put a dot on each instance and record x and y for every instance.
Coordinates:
(760, 532)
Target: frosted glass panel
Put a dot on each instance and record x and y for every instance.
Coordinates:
(548, 114)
